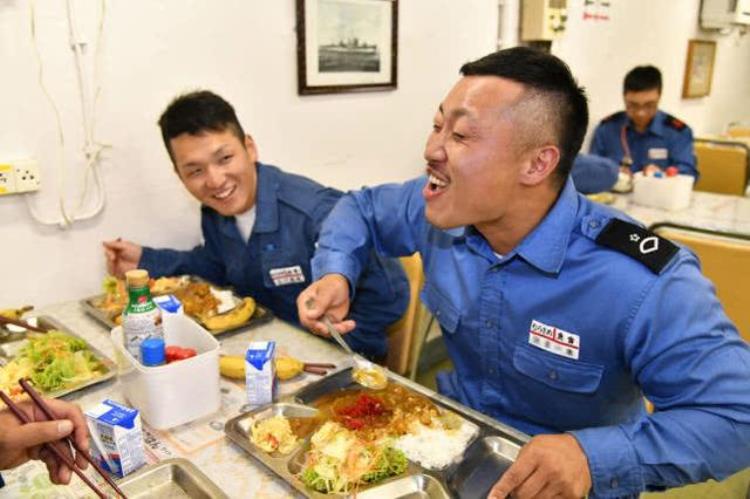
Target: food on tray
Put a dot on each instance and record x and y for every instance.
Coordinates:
(437, 446)
(370, 376)
(53, 361)
(217, 309)
(288, 367)
(197, 299)
(339, 460)
(274, 435)
(167, 285)
(239, 315)
(386, 413)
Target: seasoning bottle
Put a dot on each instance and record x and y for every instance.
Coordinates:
(141, 319)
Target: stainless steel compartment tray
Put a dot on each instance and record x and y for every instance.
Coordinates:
(172, 479)
(260, 316)
(494, 441)
(109, 365)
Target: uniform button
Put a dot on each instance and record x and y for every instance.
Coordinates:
(614, 483)
(437, 314)
(488, 324)
(552, 375)
(594, 224)
(491, 371)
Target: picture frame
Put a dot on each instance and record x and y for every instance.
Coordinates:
(699, 68)
(346, 46)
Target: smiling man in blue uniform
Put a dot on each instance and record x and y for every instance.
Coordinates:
(259, 224)
(643, 138)
(559, 314)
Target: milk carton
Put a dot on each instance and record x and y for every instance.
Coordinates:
(259, 372)
(117, 439)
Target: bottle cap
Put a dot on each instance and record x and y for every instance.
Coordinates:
(136, 278)
(152, 352)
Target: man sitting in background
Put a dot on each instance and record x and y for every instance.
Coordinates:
(259, 224)
(642, 138)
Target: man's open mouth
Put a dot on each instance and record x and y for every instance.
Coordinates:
(224, 193)
(436, 184)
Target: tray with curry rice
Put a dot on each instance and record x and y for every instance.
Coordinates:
(57, 362)
(336, 438)
(217, 309)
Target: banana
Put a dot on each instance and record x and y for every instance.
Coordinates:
(287, 367)
(15, 313)
(232, 366)
(239, 315)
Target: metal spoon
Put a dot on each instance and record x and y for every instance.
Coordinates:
(310, 303)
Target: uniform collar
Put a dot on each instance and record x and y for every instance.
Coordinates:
(266, 200)
(656, 127)
(546, 245)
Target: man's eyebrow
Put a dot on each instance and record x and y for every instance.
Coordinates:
(456, 113)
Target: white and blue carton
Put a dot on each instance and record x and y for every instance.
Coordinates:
(260, 373)
(117, 437)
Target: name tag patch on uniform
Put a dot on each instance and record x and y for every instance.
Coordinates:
(554, 340)
(287, 275)
(658, 153)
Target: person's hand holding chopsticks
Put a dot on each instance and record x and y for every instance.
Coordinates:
(20, 443)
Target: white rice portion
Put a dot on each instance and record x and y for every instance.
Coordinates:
(435, 448)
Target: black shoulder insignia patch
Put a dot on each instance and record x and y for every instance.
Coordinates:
(651, 250)
(613, 117)
(673, 122)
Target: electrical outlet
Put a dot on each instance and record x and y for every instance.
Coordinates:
(18, 176)
(27, 175)
(7, 179)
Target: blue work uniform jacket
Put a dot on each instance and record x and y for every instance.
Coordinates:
(666, 142)
(567, 334)
(289, 212)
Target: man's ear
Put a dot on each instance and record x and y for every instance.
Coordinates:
(251, 148)
(542, 163)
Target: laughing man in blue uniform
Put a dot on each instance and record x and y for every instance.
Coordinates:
(559, 314)
(259, 224)
(642, 137)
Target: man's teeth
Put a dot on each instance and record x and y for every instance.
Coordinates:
(436, 181)
(224, 194)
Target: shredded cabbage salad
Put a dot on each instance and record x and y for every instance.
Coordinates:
(53, 361)
(338, 461)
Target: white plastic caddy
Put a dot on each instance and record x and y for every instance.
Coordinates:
(176, 393)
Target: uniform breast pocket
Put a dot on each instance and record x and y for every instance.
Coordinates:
(441, 307)
(563, 374)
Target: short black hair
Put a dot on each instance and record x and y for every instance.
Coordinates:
(547, 76)
(642, 78)
(197, 112)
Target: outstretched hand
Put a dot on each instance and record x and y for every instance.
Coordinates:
(326, 297)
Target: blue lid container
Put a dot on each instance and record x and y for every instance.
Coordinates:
(152, 352)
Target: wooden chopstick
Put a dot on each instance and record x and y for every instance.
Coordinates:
(51, 415)
(319, 365)
(23, 324)
(52, 446)
(314, 370)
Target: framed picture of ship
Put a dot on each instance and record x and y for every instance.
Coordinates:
(346, 45)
